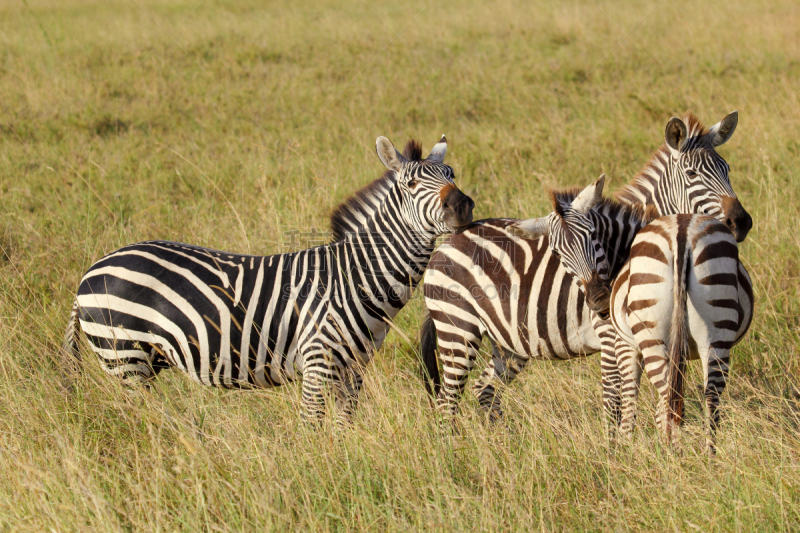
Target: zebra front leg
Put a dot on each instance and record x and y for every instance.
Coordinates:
(716, 367)
(630, 372)
(609, 372)
(316, 386)
(457, 354)
(503, 369)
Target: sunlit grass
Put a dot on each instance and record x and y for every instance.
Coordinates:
(230, 124)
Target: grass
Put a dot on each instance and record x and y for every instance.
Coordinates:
(233, 124)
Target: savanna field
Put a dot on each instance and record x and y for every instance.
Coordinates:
(240, 126)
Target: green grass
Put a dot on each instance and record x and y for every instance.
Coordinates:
(229, 124)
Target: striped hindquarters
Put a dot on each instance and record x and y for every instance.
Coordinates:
(684, 293)
(224, 319)
(643, 292)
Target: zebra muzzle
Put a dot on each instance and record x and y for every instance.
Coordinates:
(457, 209)
(737, 219)
(598, 295)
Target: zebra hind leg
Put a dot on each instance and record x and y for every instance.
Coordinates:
(70, 352)
(716, 380)
(346, 391)
(134, 363)
(658, 371)
(630, 372)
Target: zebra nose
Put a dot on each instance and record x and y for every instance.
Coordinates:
(457, 208)
(598, 295)
(737, 219)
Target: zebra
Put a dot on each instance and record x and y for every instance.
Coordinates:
(487, 281)
(679, 292)
(244, 321)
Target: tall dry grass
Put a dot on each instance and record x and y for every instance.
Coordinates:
(230, 124)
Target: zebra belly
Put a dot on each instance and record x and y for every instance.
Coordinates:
(551, 328)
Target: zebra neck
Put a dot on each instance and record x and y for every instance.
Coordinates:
(619, 230)
(393, 257)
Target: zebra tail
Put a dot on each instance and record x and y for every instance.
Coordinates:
(679, 341)
(428, 359)
(69, 349)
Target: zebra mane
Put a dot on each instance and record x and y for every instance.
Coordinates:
(609, 206)
(695, 131)
(354, 212)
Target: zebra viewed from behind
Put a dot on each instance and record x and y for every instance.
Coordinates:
(240, 321)
(487, 281)
(679, 292)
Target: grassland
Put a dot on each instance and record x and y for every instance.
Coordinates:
(231, 124)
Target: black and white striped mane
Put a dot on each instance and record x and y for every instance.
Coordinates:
(354, 213)
(696, 138)
(608, 206)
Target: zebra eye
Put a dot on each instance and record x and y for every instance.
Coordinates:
(691, 173)
(412, 183)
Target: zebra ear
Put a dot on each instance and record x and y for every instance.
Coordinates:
(533, 228)
(439, 151)
(675, 134)
(389, 156)
(589, 196)
(723, 130)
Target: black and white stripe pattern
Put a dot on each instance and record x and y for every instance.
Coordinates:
(680, 293)
(488, 281)
(232, 320)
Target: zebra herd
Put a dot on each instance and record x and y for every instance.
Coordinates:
(650, 277)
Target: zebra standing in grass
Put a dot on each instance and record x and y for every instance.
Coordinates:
(486, 281)
(679, 292)
(231, 320)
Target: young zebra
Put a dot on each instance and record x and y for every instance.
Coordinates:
(231, 320)
(486, 281)
(679, 292)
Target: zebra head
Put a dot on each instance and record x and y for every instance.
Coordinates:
(429, 201)
(574, 238)
(699, 174)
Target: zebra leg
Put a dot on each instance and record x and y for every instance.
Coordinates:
(716, 373)
(630, 371)
(503, 369)
(457, 353)
(346, 390)
(658, 371)
(129, 361)
(609, 372)
(316, 383)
